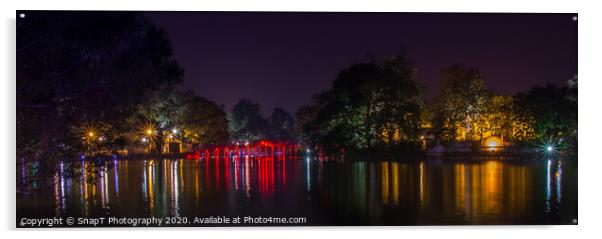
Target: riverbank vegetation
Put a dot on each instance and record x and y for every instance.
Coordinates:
(379, 106)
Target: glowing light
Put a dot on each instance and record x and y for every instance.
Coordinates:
(174, 130)
(148, 131)
(493, 143)
(549, 147)
(144, 140)
(88, 132)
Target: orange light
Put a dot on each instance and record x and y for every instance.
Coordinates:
(493, 144)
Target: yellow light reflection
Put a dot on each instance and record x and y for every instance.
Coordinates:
(460, 187)
(384, 180)
(395, 186)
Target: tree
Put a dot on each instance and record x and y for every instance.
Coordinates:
(552, 110)
(202, 121)
(282, 125)
(366, 101)
(344, 119)
(246, 122)
(461, 99)
(156, 116)
(399, 101)
(69, 75)
(168, 114)
(305, 115)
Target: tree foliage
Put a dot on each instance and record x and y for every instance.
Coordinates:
(364, 101)
(551, 110)
(246, 122)
(282, 125)
(83, 67)
(180, 116)
(462, 97)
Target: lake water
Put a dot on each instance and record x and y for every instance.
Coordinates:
(320, 192)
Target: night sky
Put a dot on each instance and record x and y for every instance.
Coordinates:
(282, 59)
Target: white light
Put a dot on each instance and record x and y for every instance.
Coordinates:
(549, 148)
(307, 150)
(22, 15)
(175, 131)
(143, 139)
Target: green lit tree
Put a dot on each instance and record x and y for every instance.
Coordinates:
(246, 122)
(551, 109)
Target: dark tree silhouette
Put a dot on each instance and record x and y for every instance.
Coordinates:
(246, 122)
(282, 124)
(372, 103)
(83, 68)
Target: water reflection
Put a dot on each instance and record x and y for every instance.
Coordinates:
(422, 184)
(553, 185)
(389, 192)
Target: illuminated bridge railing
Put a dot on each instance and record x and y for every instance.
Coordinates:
(263, 148)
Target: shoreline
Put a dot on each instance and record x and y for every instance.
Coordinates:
(411, 156)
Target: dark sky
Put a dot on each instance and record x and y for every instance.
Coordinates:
(282, 59)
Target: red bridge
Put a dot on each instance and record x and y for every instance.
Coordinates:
(261, 148)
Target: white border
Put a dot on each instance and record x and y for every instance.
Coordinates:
(589, 117)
